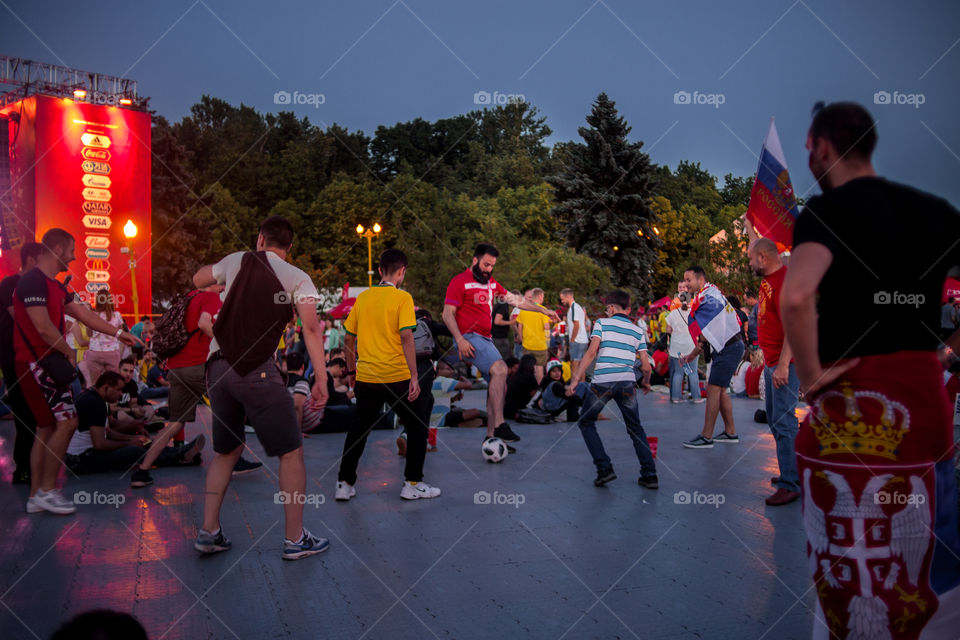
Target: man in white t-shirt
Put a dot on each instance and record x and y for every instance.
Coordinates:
(681, 344)
(577, 334)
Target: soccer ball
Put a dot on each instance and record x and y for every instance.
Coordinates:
(494, 450)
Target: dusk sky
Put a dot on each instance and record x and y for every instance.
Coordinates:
(386, 61)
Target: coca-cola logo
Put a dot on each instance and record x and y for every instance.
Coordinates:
(90, 153)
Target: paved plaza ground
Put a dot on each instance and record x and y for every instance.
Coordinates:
(526, 548)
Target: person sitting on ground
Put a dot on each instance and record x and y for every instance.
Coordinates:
(513, 365)
(297, 385)
(96, 447)
(154, 378)
(521, 387)
(444, 395)
(553, 393)
(131, 411)
(340, 410)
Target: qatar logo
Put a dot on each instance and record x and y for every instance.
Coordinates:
(99, 195)
(96, 222)
(99, 208)
(89, 153)
(95, 140)
(91, 166)
(94, 180)
(97, 242)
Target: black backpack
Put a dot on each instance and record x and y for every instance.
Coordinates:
(172, 335)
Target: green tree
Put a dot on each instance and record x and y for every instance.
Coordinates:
(603, 197)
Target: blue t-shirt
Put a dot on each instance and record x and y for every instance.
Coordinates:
(620, 341)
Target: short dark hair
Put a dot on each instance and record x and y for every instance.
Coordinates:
(294, 361)
(485, 249)
(391, 261)
(128, 360)
(109, 379)
(56, 238)
(277, 232)
(101, 624)
(337, 362)
(30, 250)
(734, 302)
(847, 125)
(697, 269)
(510, 362)
(618, 297)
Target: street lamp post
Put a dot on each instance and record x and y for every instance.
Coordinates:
(369, 234)
(130, 231)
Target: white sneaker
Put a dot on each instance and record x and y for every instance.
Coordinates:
(345, 491)
(415, 491)
(52, 501)
(248, 429)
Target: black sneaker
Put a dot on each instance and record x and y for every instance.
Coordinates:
(648, 482)
(699, 443)
(209, 543)
(505, 433)
(510, 449)
(245, 466)
(603, 477)
(190, 452)
(723, 436)
(140, 478)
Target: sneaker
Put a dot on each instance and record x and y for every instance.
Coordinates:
(402, 446)
(21, 476)
(140, 478)
(699, 400)
(510, 449)
(699, 443)
(676, 401)
(505, 433)
(308, 545)
(603, 477)
(209, 543)
(725, 437)
(418, 490)
(248, 429)
(782, 496)
(52, 501)
(649, 482)
(345, 491)
(190, 452)
(245, 466)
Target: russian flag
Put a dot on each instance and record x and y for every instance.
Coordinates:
(773, 204)
(713, 317)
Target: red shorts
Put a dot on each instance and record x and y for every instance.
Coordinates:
(49, 403)
(879, 501)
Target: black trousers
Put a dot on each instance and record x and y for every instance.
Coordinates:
(370, 400)
(25, 423)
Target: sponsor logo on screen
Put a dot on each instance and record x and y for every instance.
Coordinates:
(96, 222)
(92, 166)
(94, 287)
(97, 242)
(100, 208)
(100, 195)
(89, 153)
(98, 276)
(98, 264)
(94, 180)
(95, 140)
(96, 253)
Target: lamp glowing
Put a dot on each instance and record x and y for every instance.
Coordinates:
(656, 231)
(130, 230)
(616, 248)
(640, 232)
(79, 94)
(360, 228)
(376, 227)
(126, 102)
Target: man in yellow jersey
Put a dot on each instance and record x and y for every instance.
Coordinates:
(381, 356)
(536, 329)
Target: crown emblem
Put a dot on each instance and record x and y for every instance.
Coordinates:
(859, 422)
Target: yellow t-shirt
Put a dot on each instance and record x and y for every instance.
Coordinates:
(377, 318)
(535, 327)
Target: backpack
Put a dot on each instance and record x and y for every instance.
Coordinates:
(172, 335)
(533, 415)
(423, 340)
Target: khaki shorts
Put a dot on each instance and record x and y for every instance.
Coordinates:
(187, 387)
(541, 356)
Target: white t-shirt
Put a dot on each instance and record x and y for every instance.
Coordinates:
(103, 342)
(296, 283)
(575, 314)
(680, 341)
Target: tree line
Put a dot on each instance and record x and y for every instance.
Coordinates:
(589, 214)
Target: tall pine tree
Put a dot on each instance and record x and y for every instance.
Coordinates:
(603, 198)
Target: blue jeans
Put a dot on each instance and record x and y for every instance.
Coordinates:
(677, 373)
(625, 395)
(782, 418)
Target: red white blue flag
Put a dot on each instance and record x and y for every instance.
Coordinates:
(773, 204)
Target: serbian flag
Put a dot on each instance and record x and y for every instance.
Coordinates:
(712, 317)
(773, 204)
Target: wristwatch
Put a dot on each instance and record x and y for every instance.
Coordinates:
(119, 331)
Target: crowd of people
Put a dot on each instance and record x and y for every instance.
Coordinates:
(95, 396)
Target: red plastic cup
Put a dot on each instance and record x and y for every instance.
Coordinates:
(431, 436)
(652, 441)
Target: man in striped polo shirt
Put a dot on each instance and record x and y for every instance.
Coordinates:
(615, 343)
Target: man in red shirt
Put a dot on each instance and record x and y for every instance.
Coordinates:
(39, 305)
(468, 313)
(779, 374)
